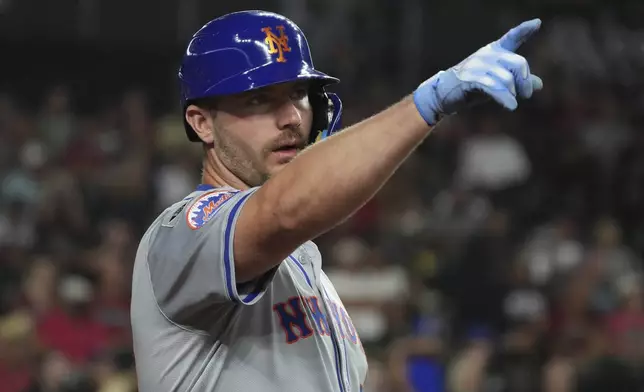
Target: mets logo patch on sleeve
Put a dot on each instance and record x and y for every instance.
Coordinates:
(205, 207)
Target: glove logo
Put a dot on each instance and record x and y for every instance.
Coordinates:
(205, 207)
(277, 44)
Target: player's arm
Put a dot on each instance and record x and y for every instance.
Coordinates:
(329, 181)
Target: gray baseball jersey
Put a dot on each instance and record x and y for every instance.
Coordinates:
(196, 329)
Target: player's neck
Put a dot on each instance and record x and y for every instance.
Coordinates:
(216, 174)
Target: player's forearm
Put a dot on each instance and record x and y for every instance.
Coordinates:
(332, 179)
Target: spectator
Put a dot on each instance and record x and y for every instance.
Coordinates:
(492, 160)
(18, 350)
(54, 372)
(57, 121)
(72, 329)
(468, 369)
(40, 288)
(553, 250)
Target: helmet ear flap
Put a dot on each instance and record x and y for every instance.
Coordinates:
(327, 111)
(322, 112)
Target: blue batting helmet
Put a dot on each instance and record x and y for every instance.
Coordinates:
(247, 50)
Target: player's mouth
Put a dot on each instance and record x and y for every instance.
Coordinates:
(287, 151)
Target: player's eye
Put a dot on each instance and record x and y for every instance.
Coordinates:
(257, 99)
(299, 93)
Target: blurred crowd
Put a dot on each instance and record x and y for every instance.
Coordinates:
(506, 255)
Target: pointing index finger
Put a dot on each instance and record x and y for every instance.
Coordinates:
(514, 38)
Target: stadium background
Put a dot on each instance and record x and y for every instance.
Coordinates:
(506, 255)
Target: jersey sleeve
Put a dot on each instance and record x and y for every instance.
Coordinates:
(191, 258)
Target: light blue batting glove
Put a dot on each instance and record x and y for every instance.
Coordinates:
(494, 71)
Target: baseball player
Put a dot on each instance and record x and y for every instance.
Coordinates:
(228, 289)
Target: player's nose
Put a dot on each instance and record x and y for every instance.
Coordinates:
(288, 116)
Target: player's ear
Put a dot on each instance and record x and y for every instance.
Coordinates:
(201, 122)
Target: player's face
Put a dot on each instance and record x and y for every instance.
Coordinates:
(257, 133)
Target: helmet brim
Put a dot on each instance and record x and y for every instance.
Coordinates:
(267, 75)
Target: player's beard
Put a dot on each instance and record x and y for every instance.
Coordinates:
(244, 162)
(238, 160)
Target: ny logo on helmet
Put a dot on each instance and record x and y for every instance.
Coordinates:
(277, 44)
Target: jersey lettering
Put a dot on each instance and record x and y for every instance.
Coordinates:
(299, 317)
(348, 325)
(205, 206)
(320, 318)
(292, 317)
(336, 316)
